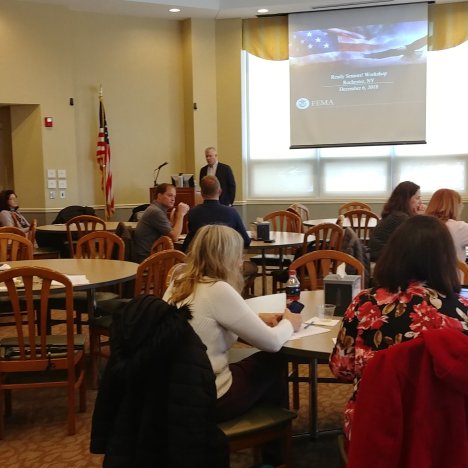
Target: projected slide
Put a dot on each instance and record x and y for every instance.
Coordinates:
(358, 76)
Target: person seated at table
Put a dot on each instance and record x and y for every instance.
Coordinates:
(210, 283)
(417, 288)
(211, 211)
(9, 211)
(446, 204)
(155, 223)
(404, 202)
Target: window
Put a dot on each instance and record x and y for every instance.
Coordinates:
(275, 171)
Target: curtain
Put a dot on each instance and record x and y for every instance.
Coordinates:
(267, 37)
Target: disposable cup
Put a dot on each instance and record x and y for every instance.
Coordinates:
(326, 311)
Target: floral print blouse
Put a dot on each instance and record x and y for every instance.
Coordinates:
(377, 319)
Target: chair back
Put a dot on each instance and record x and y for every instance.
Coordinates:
(353, 205)
(12, 230)
(15, 247)
(324, 236)
(312, 267)
(163, 243)
(284, 221)
(301, 210)
(78, 226)
(360, 221)
(463, 268)
(31, 234)
(100, 244)
(152, 273)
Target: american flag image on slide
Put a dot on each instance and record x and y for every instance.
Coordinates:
(103, 156)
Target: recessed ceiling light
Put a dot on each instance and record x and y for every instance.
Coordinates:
(174, 10)
(263, 10)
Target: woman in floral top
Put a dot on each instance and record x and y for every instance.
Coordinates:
(418, 288)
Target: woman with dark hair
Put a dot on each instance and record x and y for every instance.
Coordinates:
(9, 214)
(417, 288)
(405, 201)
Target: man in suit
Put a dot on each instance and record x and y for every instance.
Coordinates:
(212, 212)
(224, 174)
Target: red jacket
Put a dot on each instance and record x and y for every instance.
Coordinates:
(412, 405)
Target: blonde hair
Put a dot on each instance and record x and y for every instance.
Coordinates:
(444, 204)
(215, 255)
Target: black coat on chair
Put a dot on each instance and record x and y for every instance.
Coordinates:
(156, 403)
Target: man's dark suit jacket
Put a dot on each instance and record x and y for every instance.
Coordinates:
(226, 180)
(212, 212)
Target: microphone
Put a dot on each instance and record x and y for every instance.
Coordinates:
(156, 172)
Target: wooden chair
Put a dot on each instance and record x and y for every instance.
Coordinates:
(31, 234)
(301, 210)
(284, 221)
(151, 278)
(463, 267)
(360, 221)
(15, 247)
(314, 266)
(82, 225)
(353, 205)
(33, 359)
(324, 236)
(163, 243)
(100, 244)
(12, 230)
(260, 425)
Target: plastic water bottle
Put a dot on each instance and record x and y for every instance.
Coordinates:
(293, 288)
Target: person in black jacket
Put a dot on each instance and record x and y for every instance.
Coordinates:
(156, 403)
(224, 174)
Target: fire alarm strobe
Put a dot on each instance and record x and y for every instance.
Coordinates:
(48, 121)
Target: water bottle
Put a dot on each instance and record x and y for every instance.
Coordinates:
(293, 288)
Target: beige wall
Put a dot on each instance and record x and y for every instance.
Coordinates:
(49, 55)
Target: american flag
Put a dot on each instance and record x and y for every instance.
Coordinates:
(103, 155)
(330, 40)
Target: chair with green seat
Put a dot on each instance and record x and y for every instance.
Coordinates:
(260, 425)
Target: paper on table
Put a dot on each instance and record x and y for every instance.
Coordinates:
(323, 322)
(310, 330)
(4, 266)
(76, 280)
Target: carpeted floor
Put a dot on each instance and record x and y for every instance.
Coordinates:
(36, 432)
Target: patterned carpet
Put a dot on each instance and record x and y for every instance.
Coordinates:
(36, 432)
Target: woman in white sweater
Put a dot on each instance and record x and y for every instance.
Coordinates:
(446, 204)
(210, 283)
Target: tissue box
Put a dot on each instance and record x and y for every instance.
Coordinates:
(340, 290)
(261, 230)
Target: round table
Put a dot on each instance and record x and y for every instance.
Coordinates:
(346, 222)
(111, 226)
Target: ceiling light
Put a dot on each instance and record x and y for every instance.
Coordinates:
(263, 10)
(174, 10)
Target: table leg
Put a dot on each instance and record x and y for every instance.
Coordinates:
(263, 272)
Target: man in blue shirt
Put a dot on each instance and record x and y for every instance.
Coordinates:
(211, 211)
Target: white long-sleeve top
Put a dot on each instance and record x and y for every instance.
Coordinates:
(459, 231)
(220, 316)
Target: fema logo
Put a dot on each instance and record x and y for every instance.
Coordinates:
(302, 103)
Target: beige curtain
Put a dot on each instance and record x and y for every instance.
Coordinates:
(267, 37)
